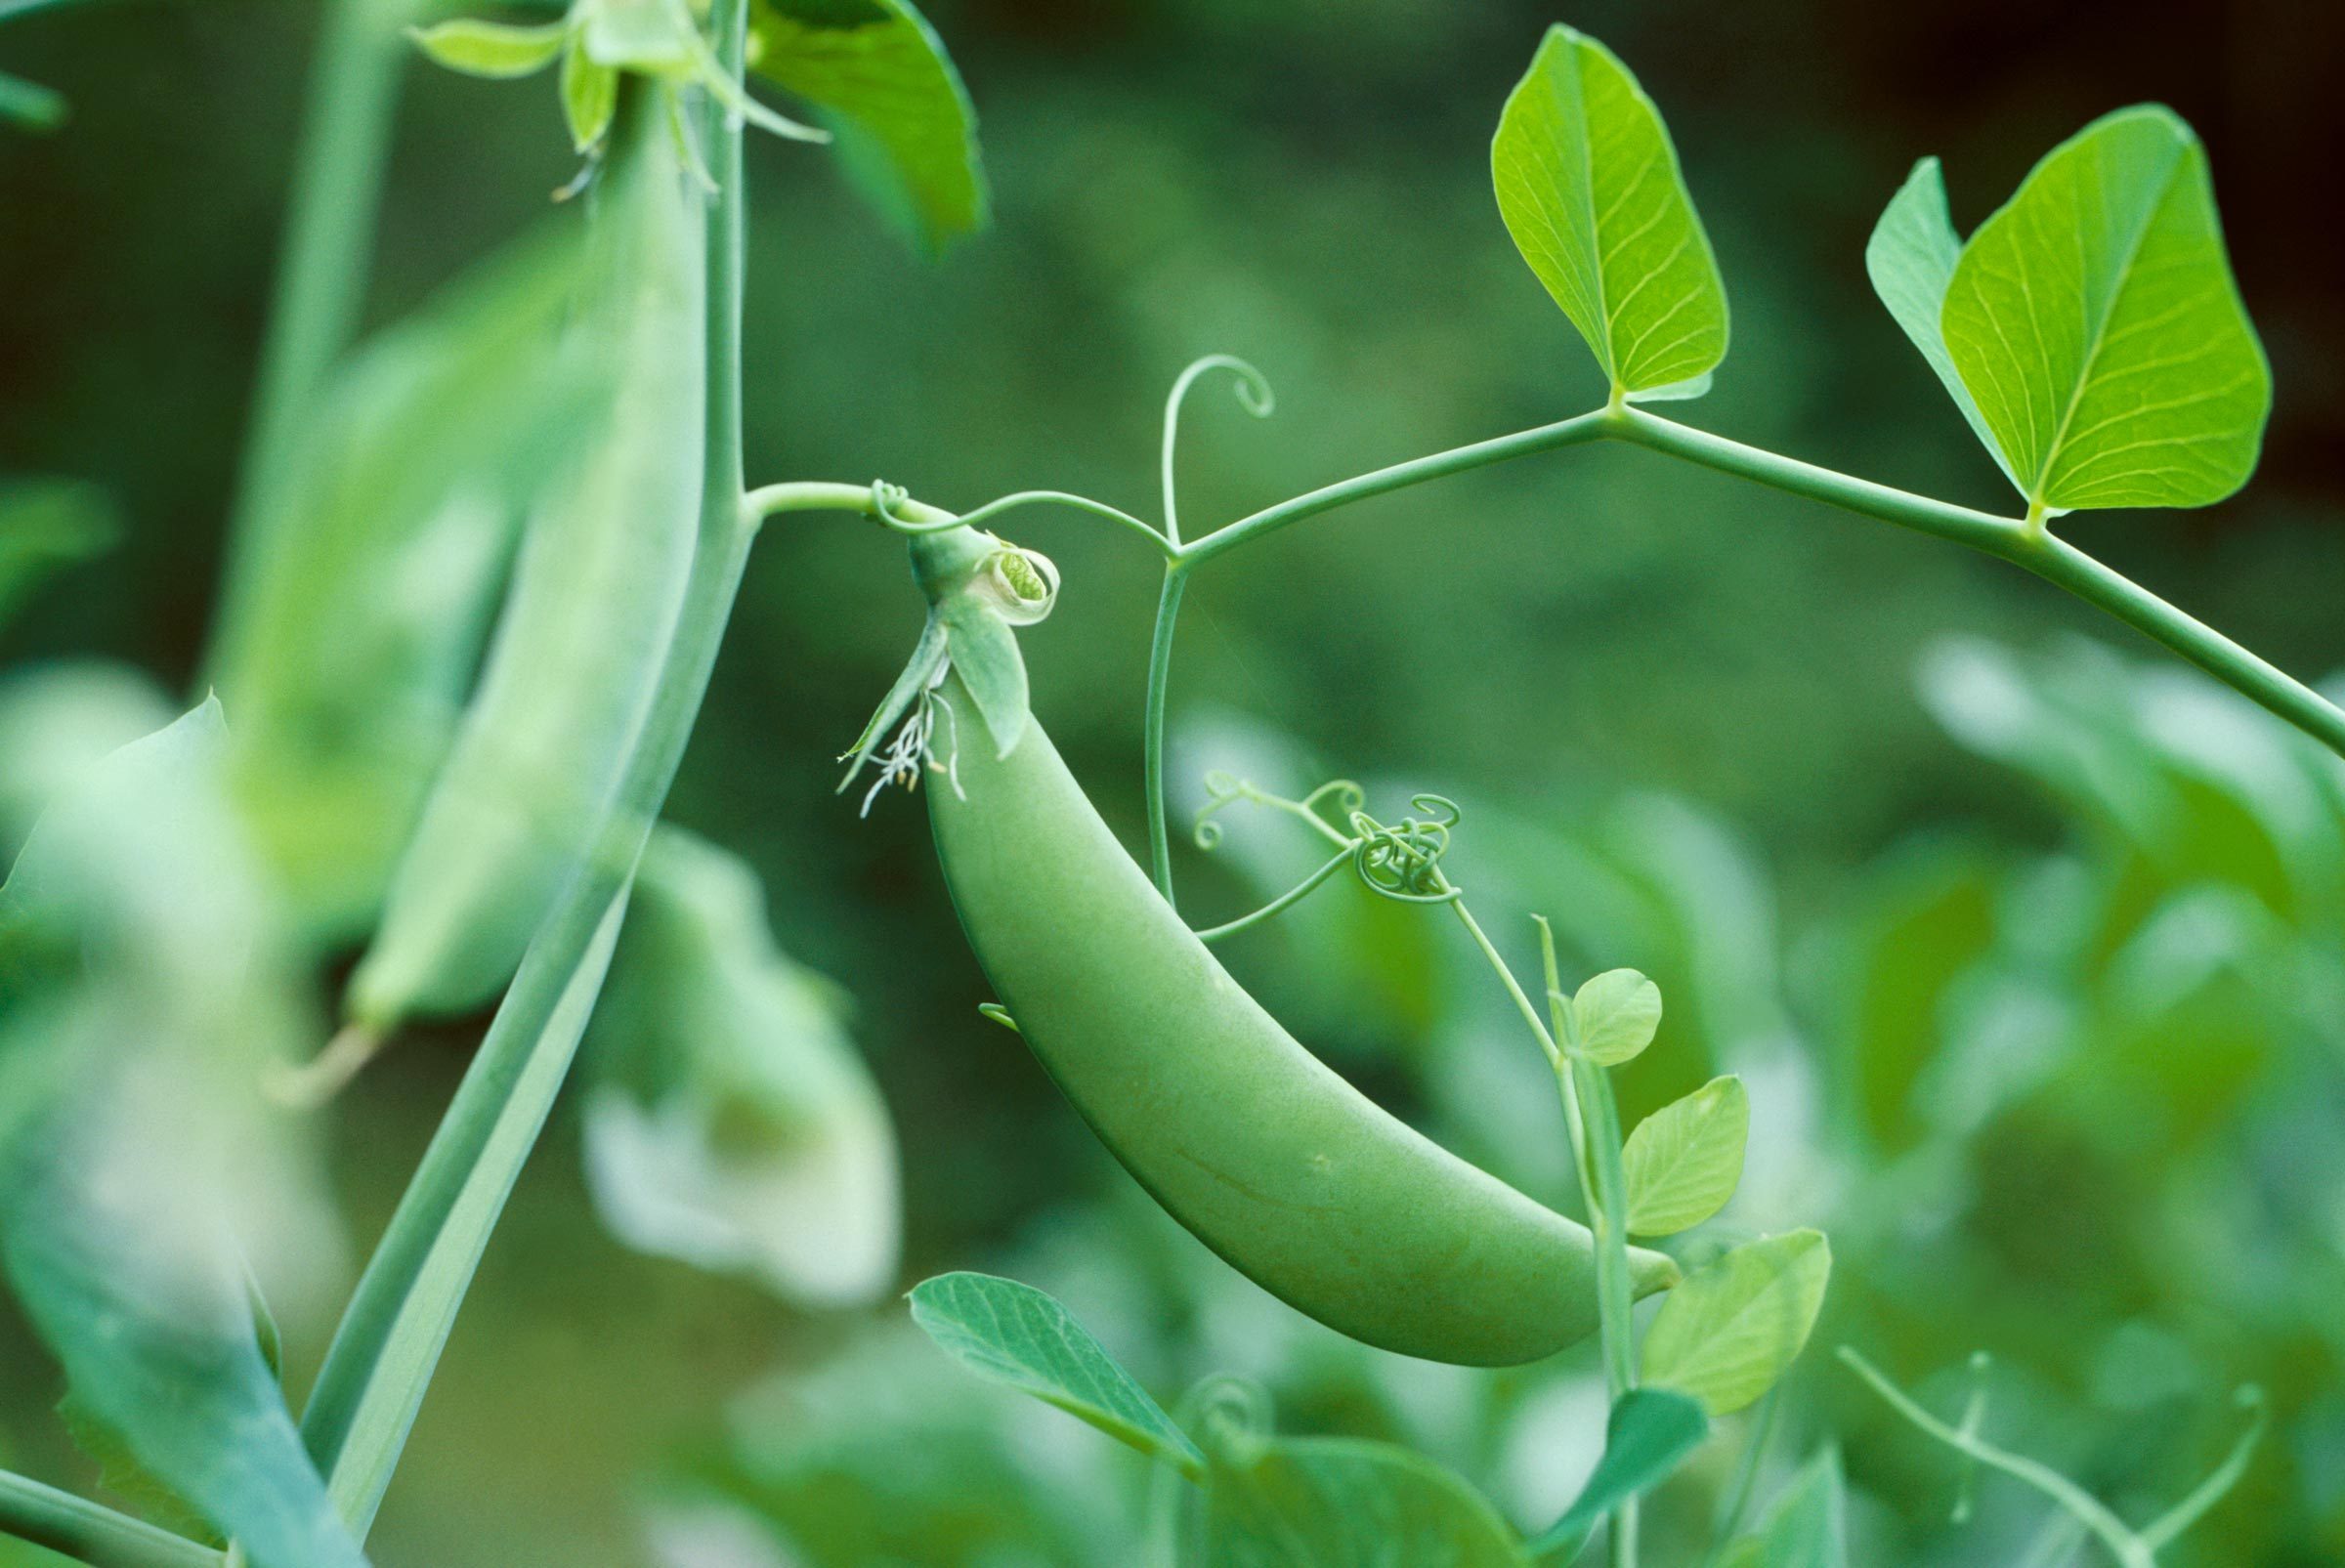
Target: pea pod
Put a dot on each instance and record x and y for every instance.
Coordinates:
(588, 620)
(1272, 1159)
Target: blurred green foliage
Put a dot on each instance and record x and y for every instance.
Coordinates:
(2034, 964)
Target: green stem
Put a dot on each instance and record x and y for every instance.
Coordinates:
(92, 1532)
(2006, 538)
(2012, 539)
(1595, 1121)
(1745, 1488)
(1160, 677)
(1458, 460)
(1981, 531)
(328, 238)
(390, 1338)
(1284, 901)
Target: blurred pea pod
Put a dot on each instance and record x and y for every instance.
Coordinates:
(729, 1120)
(587, 622)
(347, 664)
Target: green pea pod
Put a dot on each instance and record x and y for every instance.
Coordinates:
(348, 654)
(729, 1120)
(1296, 1179)
(588, 620)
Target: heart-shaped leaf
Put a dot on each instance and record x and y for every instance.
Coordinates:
(2095, 321)
(1910, 260)
(1589, 187)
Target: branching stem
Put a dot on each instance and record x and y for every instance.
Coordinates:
(92, 1532)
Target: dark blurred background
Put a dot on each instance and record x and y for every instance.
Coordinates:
(1576, 640)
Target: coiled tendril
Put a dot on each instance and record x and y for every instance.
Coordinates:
(1400, 861)
(1254, 395)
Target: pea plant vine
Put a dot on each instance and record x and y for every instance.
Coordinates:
(559, 442)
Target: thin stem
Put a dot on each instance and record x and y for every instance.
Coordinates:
(390, 1338)
(1458, 460)
(2219, 1482)
(328, 238)
(2064, 566)
(1285, 901)
(2130, 1549)
(821, 495)
(1981, 531)
(1523, 1002)
(2022, 541)
(1160, 678)
(92, 1532)
(1081, 504)
(1595, 1121)
(1746, 1472)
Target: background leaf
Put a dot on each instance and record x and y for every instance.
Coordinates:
(902, 121)
(30, 104)
(1730, 1331)
(1805, 1526)
(44, 526)
(1014, 1333)
(1344, 1503)
(1682, 1162)
(2095, 321)
(730, 1121)
(1910, 259)
(1589, 187)
(138, 981)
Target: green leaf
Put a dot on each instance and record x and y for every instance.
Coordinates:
(1731, 1328)
(1616, 1016)
(1651, 1433)
(135, 983)
(1345, 1502)
(1015, 1335)
(2095, 321)
(729, 1120)
(44, 527)
(1805, 1526)
(30, 105)
(1589, 187)
(496, 49)
(1910, 259)
(902, 119)
(589, 95)
(1682, 1162)
(984, 651)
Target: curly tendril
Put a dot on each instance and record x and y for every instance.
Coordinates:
(1400, 861)
(1403, 861)
(1254, 395)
